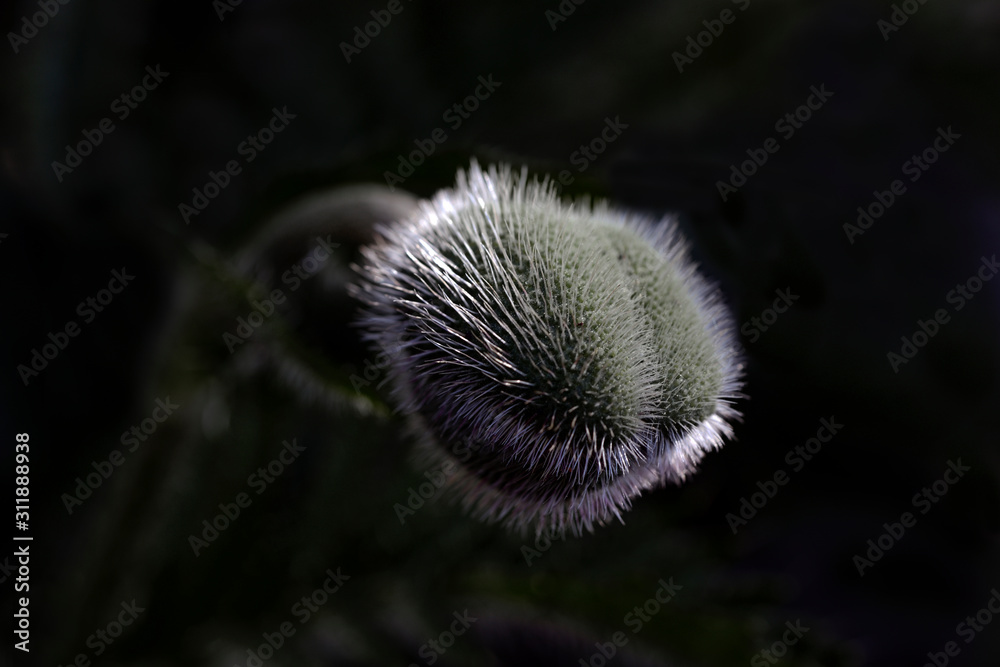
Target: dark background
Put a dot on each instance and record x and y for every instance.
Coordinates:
(333, 507)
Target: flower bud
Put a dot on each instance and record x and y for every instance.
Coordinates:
(559, 358)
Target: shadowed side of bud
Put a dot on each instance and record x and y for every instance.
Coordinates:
(564, 358)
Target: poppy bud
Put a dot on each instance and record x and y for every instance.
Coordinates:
(557, 358)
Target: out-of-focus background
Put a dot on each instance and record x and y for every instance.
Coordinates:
(218, 478)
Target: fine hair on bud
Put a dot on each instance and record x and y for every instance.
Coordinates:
(557, 358)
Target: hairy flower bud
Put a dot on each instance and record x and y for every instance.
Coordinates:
(560, 359)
